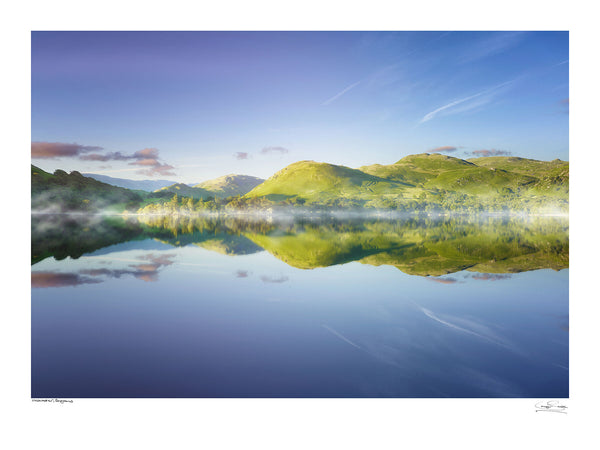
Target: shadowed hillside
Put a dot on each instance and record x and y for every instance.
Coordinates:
(60, 192)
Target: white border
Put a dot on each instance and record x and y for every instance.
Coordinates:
(307, 423)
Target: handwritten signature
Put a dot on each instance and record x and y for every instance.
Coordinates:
(550, 406)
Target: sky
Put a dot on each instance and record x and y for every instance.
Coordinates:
(192, 106)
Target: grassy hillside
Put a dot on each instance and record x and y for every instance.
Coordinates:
(230, 185)
(522, 166)
(60, 192)
(425, 181)
(317, 182)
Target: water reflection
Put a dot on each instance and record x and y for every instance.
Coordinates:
(182, 307)
(417, 246)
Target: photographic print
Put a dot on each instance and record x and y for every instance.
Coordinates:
(300, 214)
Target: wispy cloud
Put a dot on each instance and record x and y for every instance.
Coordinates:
(113, 156)
(147, 158)
(50, 150)
(445, 148)
(493, 44)
(565, 104)
(269, 150)
(339, 94)
(491, 152)
(241, 155)
(483, 97)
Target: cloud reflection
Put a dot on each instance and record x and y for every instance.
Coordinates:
(490, 276)
(448, 280)
(268, 279)
(59, 279)
(146, 271)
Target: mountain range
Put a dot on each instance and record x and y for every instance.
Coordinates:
(425, 177)
(143, 185)
(415, 182)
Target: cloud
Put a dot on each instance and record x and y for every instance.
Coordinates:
(445, 148)
(267, 279)
(498, 42)
(483, 97)
(565, 104)
(58, 279)
(50, 150)
(268, 150)
(113, 156)
(241, 155)
(339, 94)
(492, 152)
(148, 158)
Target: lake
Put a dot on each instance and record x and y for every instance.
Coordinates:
(183, 307)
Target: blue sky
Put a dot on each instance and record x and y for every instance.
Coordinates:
(190, 106)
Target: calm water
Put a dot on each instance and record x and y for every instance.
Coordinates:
(159, 307)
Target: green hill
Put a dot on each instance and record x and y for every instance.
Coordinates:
(230, 185)
(522, 166)
(319, 182)
(61, 192)
(425, 181)
(183, 190)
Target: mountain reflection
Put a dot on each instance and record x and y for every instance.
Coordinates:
(491, 247)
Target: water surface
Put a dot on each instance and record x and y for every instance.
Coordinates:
(182, 307)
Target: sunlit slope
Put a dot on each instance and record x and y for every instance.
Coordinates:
(230, 185)
(184, 190)
(314, 181)
(417, 169)
(522, 166)
(550, 178)
(434, 171)
(426, 177)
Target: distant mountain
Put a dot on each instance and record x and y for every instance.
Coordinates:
(183, 190)
(144, 185)
(230, 185)
(61, 192)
